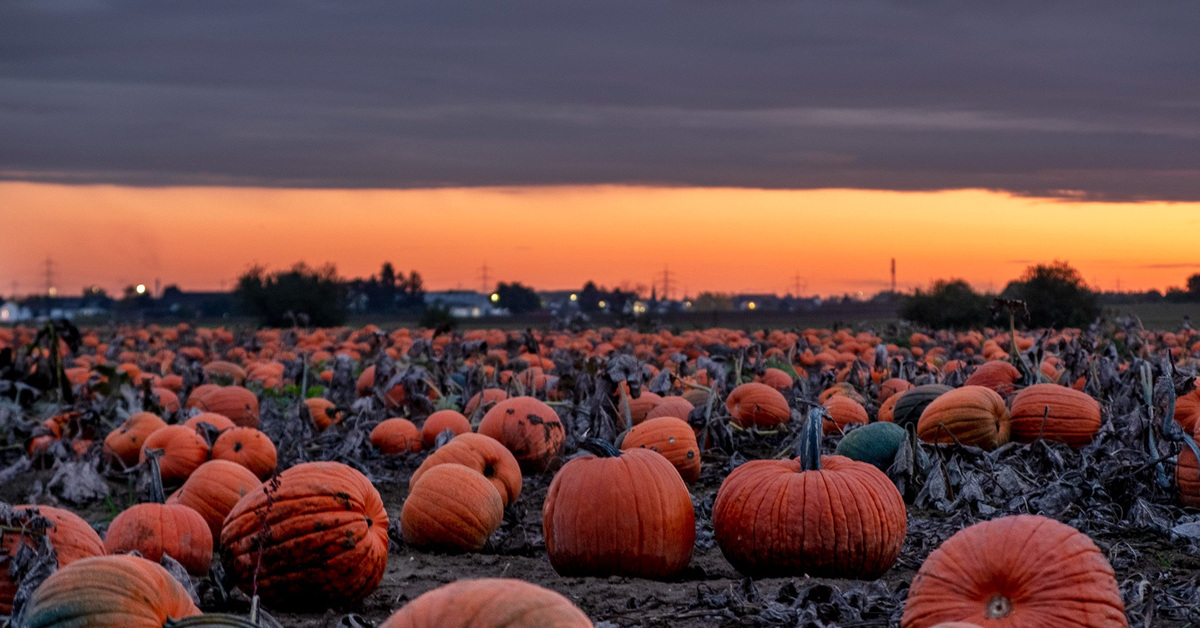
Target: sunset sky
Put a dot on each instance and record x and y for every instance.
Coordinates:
(738, 143)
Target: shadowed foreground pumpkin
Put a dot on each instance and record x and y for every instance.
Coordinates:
(672, 438)
(324, 537)
(483, 454)
(213, 489)
(529, 429)
(489, 603)
(451, 508)
(1055, 413)
(72, 538)
(824, 516)
(108, 591)
(157, 529)
(1023, 570)
(757, 405)
(972, 415)
(912, 402)
(618, 513)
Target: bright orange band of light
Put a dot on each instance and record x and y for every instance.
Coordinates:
(731, 240)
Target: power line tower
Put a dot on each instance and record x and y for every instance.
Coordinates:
(50, 289)
(485, 279)
(799, 285)
(893, 275)
(666, 282)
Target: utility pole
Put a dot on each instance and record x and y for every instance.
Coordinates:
(50, 290)
(484, 279)
(893, 275)
(666, 282)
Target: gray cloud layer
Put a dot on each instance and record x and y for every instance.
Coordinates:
(1075, 99)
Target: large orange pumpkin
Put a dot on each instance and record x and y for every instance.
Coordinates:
(843, 410)
(972, 415)
(155, 530)
(126, 591)
(451, 507)
(672, 438)
(757, 405)
(998, 375)
(1055, 413)
(677, 407)
(213, 489)
(70, 536)
(618, 513)
(239, 404)
(1023, 570)
(248, 447)
(483, 454)
(489, 603)
(124, 444)
(529, 429)
(183, 451)
(323, 539)
(824, 516)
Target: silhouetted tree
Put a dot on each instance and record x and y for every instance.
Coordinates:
(950, 304)
(1056, 296)
(590, 298)
(1193, 286)
(315, 294)
(517, 298)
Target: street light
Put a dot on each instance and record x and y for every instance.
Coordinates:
(141, 288)
(495, 297)
(574, 297)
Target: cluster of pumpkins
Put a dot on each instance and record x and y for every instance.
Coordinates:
(316, 534)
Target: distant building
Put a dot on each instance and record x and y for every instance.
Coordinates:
(464, 304)
(12, 312)
(753, 302)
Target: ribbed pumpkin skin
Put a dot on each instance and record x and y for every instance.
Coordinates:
(451, 508)
(1187, 410)
(672, 438)
(1187, 476)
(1073, 418)
(326, 537)
(846, 520)
(213, 489)
(529, 429)
(219, 421)
(629, 515)
(183, 451)
(998, 375)
(488, 397)
(887, 409)
(913, 402)
(875, 444)
(892, 387)
(124, 444)
(156, 529)
(441, 421)
(234, 402)
(318, 409)
(759, 405)
(672, 406)
(842, 412)
(483, 454)
(108, 592)
(396, 436)
(972, 414)
(489, 603)
(1052, 574)
(248, 447)
(72, 538)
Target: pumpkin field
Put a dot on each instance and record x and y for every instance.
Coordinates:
(358, 477)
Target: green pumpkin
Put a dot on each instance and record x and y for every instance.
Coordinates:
(912, 403)
(875, 444)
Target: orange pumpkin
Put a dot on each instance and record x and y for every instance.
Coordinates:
(757, 405)
(441, 421)
(972, 415)
(396, 436)
(647, 529)
(451, 507)
(677, 407)
(238, 404)
(248, 447)
(183, 451)
(124, 444)
(323, 539)
(1055, 413)
(998, 375)
(529, 429)
(213, 489)
(70, 536)
(1022, 570)
(672, 438)
(843, 410)
(322, 411)
(155, 530)
(483, 401)
(483, 454)
(218, 421)
(892, 387)
(488, 603)
(126, 591)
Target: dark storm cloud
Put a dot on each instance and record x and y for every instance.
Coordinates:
(1079, 100)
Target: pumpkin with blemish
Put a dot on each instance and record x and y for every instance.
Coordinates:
(529, 429)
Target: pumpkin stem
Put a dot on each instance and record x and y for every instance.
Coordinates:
(998, 607)
(600, 448)
(157, 494)
(810, 439)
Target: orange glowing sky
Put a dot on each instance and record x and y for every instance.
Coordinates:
(732, 240)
